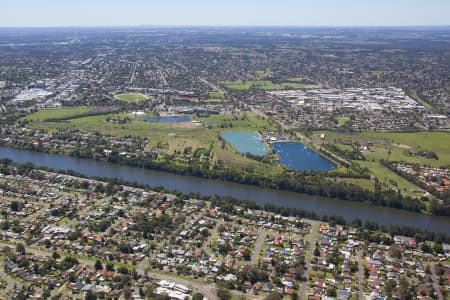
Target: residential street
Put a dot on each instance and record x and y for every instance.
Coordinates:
(312, 242)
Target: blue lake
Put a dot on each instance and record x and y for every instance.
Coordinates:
(297, 156)
(165, 119)
(246, 142)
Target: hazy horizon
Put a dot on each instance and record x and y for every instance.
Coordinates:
(232, 13)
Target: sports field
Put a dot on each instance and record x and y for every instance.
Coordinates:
(131, 97)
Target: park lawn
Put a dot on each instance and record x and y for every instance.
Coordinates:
(363, 183)
(413, 94)
(345, 147)
(214, 100)
(297, 79)
(57, 113)
(8, 68)
(155, 132)
(263, 74)
(179, 143)
(246, 120)
(379, 74)
(398, 154)
(342, 120)
(131, 97)
(215, 95)
(390, 178)
(172, 137)
(230, 157)
(438, 142)
(397, 142)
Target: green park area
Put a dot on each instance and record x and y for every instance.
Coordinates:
(131, 97)
(393, 147)
(175, 138)
(48, 114)
(413, 94)
(342, 120)
(170, 137)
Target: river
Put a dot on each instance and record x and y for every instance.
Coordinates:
(348, 210)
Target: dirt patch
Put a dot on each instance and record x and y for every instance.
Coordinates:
(184, 125)
(403, 146)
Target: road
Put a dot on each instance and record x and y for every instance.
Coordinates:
(360, 276)
(133, 74)
(163, 78)
(214, 87)
(258, 245)
(10, 282)
(436, 285)
(206, 245)
(312, 243)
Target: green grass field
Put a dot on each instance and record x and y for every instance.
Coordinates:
(57, 113)
(342, 120)
(175, 137)
(364, 183)
(390, 178)
(379, 74)
(398, 143)
(131, 97)
(413, 94)
(243, 121)
(394, 146)
(263, 74)
(215, 95)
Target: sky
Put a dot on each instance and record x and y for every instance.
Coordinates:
(61, 13)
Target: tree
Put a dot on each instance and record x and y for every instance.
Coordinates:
(438, 248)
(90, 296)
(197, 296)
(223, 294)
(247, 254)
(20, 248)
(299, 271)
(98, 265)
(389, 288)
(273, 296)
(404, 289)
(316, 252)
(68, 262)
(332, 292)
(110, 267)
(16, 205)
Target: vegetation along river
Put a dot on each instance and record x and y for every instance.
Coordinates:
(348, 210)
